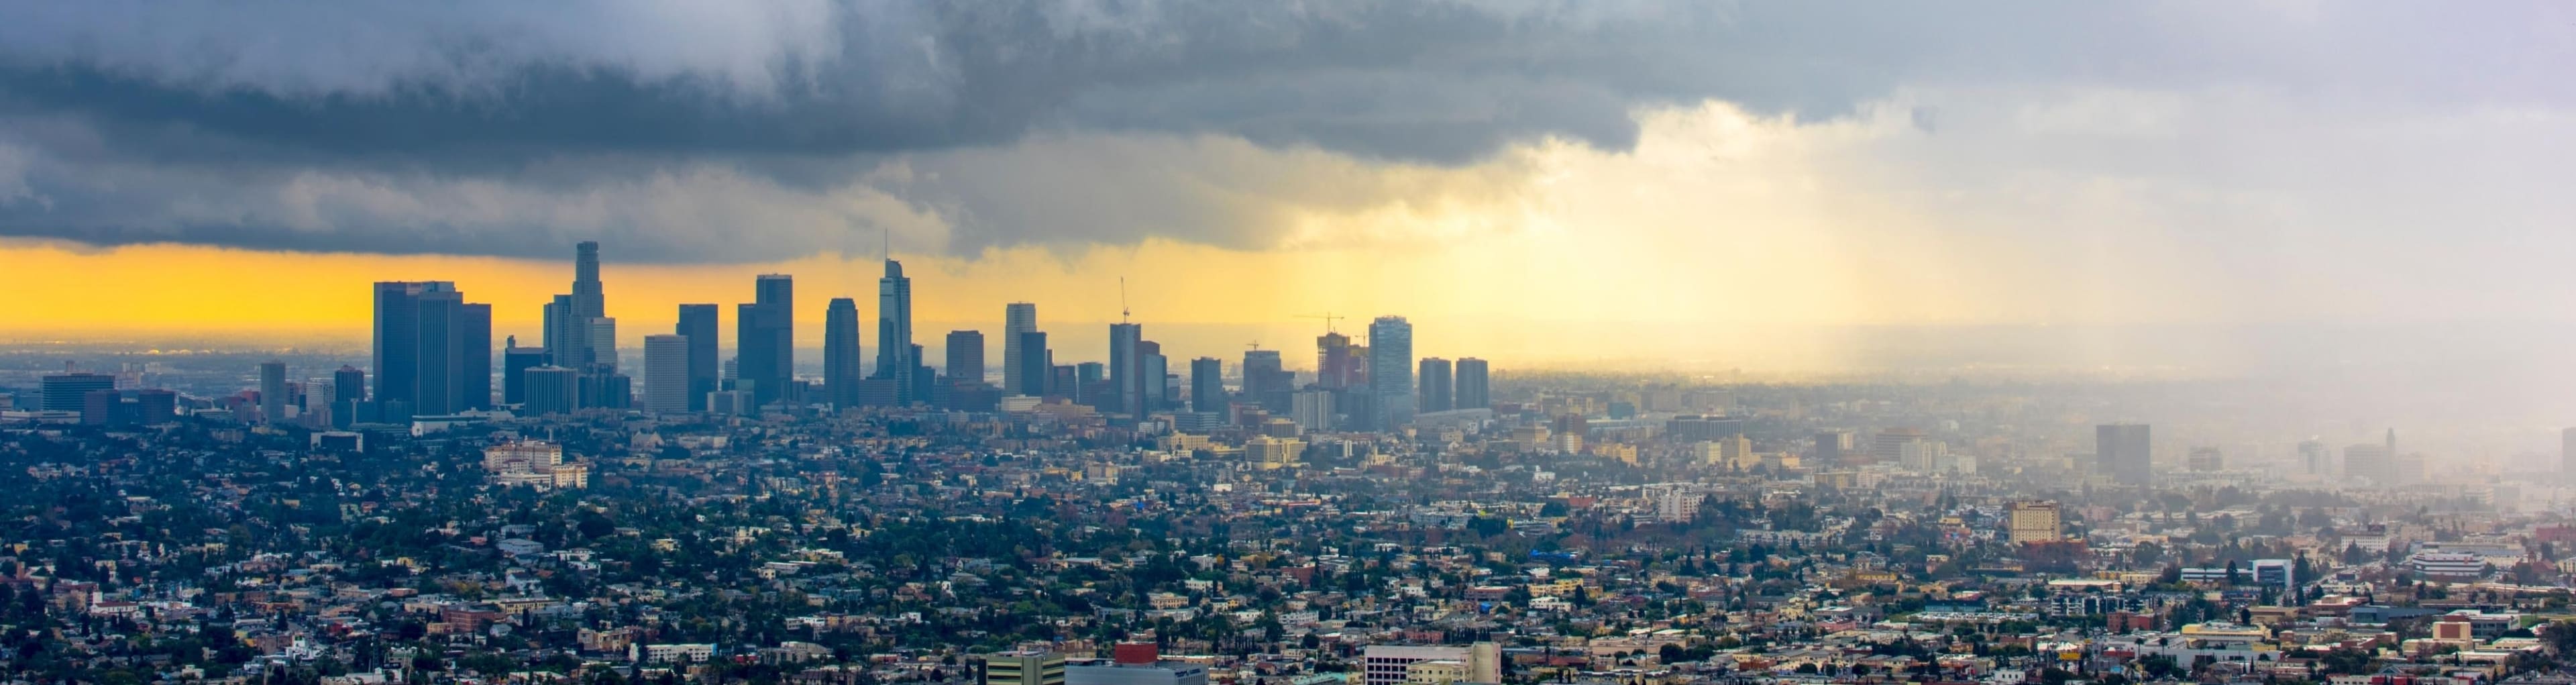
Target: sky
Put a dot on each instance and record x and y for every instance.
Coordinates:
(1529, 181)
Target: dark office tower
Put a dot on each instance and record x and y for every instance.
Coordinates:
(965, 357)
(349, 384)
(1152, 368)
(433, 350)
(1207, 385)
(841, 352)
(1267, 382)
(1436, 386)
(272, 392)
(476, 338)
(587, 299)
(1473, 391)
(1061, 383)
(766, 340)
(516, 360)
(2122, 450)
(70, 391)
(397, 336)
(896, 360)
(1090, 384)
(348, 392)
(1126, 369)
(558, 335)
(439, 353)
(105, 408)
(154, 405)
(1390, 368)
(552, 390)
(1036, 367)
(1017, 318)
(1836, 448)
(698, 324)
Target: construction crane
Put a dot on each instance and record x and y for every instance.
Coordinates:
(1328, 318)
(1255, 345)
(1122, 299)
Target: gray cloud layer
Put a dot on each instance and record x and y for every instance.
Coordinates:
(750, 131)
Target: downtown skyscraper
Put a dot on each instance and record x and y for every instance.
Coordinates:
(698, 324)
(666, 373)
(766, 339)
(1127, 368)
(1473, 385)
(965, 351)
(1207, 385)
(1390, 368)
(1267, 381)
(272, 392)
(572, 321)
(1436, 387)
(1017, 318)
(841, 352)
(897, 359)
(1037, 367)
(432, 350)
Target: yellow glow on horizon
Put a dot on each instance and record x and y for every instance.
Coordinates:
(1722, 235)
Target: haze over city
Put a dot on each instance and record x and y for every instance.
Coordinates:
(1146, 342)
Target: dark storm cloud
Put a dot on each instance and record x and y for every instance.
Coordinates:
(509, 128)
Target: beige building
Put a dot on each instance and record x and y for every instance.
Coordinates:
(536, 464)
(2029, 522)
(1269, 453)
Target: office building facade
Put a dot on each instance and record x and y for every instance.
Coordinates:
(2123, 451)
(666, 373)
(1473, 385)
(898, 360)
(1437, 388)
(765, 338)
(965, 351)
(841, 360)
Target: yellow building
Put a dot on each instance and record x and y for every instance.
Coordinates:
(1269, 453)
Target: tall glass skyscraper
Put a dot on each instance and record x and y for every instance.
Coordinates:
(272, 392)
(1390, 368)
(698, 324)
(1207, 385)
(965, 351)
(1036, 367)
(1473, 391)
(1127, 368)
(1017, 318)
(896, 360)
(1435, 385)
(432, 349)
(841, 352)
(766, 338)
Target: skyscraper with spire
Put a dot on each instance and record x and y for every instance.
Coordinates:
(896, 358)
(1127, 368)
(571, 319)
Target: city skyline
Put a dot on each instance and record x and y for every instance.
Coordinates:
(1325, 342)
(2324, 174)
